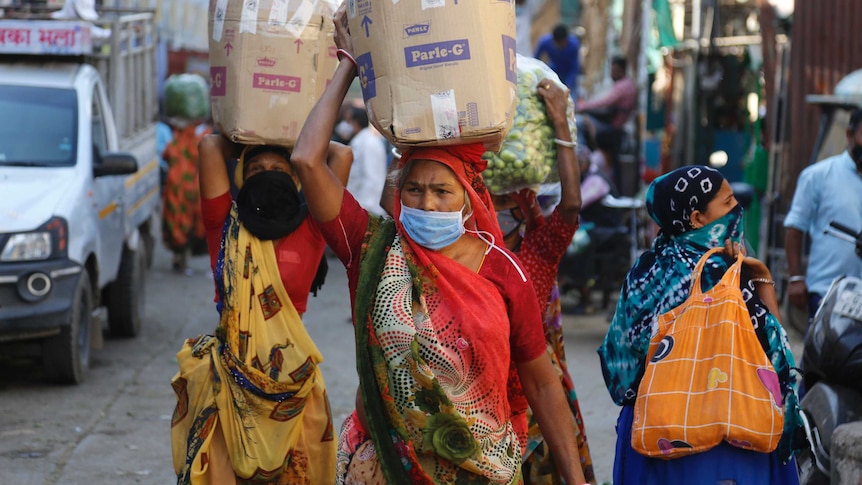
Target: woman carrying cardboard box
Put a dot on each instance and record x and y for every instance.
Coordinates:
(251, 401)
(441, 308)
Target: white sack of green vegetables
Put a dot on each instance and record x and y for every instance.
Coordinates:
(528, 155)
(187, 98)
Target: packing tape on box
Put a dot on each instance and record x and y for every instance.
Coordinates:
(278, 13)
(301, 18)
(426, 4)
(218, 19)
(445, 111)
(277, 16)
(248, 18)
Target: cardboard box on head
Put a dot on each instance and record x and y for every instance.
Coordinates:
(436, 72)
(270, 61)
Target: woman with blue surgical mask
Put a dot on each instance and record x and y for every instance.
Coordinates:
(441, 309)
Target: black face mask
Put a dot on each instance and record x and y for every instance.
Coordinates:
(856, 155)
(270, 206)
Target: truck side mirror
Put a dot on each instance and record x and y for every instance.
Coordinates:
(114, 164)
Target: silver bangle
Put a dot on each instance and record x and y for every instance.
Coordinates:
(794, 279)
(564, 143)
(765, 281)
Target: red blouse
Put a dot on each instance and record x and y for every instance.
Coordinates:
(298, 253)
(541, 251)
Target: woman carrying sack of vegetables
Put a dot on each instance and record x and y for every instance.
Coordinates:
(187, 105)
(540, 245)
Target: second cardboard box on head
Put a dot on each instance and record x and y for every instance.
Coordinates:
(432, 72)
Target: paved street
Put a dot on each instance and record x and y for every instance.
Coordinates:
(114, 429)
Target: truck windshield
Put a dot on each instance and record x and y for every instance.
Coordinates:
(39, 126)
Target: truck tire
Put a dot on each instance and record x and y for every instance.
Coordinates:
(126, 295)
(149, 246)
(66, 356)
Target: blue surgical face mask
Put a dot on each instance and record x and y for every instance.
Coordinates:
(433, 230)
(716, 232)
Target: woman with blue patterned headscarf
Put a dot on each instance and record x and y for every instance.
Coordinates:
(696, 211)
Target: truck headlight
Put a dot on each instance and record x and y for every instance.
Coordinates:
(45, 242)
(27, 247)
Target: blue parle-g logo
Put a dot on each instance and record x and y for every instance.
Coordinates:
(437, 53)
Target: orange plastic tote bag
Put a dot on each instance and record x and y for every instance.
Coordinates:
(707, 378)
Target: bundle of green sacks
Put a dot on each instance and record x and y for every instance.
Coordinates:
(186, 97)
(528, 155)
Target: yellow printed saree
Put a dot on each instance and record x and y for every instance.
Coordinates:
(258, 380)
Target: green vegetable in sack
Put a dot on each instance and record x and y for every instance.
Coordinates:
(528, 155)
(187, 97)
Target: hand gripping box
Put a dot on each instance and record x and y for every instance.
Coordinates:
(270, 60)
(436, 72)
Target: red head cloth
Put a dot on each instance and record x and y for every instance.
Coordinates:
(466, 161)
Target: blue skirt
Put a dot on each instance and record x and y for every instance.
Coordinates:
(723, 465)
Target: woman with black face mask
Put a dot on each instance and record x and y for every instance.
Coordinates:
(251, 401)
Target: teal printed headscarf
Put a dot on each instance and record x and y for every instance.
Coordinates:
(661, 280)
(673, 197)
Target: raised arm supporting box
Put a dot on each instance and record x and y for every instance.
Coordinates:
(436, 72)
(270, 60)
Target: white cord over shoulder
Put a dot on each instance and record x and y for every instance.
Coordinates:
(491, 245)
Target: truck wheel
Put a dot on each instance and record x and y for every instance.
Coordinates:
(67, 356)
(149, 246)
(126, 295)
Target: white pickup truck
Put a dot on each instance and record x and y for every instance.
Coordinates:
(79, 183)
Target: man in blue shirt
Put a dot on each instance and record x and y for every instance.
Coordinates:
(562, 50)
(830, 190)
